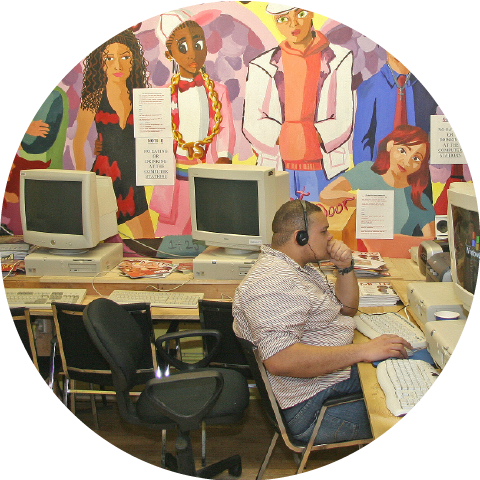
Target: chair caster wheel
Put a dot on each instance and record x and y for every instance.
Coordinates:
(235, 471)
(171, 462)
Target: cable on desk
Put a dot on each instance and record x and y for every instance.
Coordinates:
(96, 275)
(165, 290)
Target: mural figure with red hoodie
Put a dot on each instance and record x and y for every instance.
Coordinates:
(298, 113)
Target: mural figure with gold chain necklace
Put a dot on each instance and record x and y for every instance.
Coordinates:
(202, 122)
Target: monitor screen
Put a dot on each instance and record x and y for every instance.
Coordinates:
(59, 211)
(463, 240)
(233, 210)
(466, 239)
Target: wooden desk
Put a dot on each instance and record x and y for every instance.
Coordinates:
(381, 419)
(402, 272)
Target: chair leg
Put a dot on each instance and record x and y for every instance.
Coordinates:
(308, 448)
(263, 467)
(94, 410)
(164, 448)
(185, 460)
(51, 375)
(204, 444)
(73, 398)
(65, 391)
(233, 464)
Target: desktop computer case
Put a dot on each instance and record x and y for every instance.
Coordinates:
(442, 338)
(103, 257)
(426, 298)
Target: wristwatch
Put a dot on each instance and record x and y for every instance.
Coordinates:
(344, 271)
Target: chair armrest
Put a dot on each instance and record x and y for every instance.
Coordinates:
(162, 395)
(179, 364)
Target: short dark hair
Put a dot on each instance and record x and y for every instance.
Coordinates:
(289, 218)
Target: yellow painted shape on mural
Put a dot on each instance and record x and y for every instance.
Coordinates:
(258, 8)
(437, 189)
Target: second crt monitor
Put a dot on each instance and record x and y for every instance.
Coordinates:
(232, 208)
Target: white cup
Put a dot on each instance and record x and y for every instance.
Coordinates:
(446, 315)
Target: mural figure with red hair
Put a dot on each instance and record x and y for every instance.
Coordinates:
(402, 166)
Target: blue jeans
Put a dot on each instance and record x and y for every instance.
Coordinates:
(340, 423)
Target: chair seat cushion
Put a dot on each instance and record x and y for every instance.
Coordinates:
(228, 408)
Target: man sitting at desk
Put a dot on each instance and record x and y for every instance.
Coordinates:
(302, 325)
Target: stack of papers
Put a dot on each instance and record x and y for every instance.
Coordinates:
(146, 268)
(375, 294)
(369, 264)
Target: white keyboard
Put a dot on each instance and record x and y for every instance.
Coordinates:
(43, 297)
(404, 382)
(373, 326)
(157, 299)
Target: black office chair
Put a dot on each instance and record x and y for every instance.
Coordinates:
(21, 318)
(217, 315)
(82, 362)
(275, 416)
(180, 401)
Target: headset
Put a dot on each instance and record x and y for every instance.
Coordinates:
(302, 235)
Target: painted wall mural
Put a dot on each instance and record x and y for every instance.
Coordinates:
(253, 83)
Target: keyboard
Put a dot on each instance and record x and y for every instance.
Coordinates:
(404, 382)
(43, 297)
(157, 299)
(373, 326)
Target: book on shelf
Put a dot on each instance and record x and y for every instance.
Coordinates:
(374, 294)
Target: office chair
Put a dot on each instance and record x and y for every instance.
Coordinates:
(180, 401)
(82, 362)
(275, 416)
(21, 318)
(217, 315)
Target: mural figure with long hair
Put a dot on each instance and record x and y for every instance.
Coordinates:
(402, 166)
(298, 112)
(202, 121)
(111, 73)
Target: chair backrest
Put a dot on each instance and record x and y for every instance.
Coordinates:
(267, 396)
(21, 318)
(217, 315)
(120, 340)
(81, 359)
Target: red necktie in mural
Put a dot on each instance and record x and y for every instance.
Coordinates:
(401, 108)
(186, 84)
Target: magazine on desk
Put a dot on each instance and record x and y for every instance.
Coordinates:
(369, 264)
(374, 294)
(146, 268)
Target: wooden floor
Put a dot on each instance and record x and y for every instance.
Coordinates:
(250, 439)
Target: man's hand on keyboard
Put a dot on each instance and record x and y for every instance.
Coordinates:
(385, 346)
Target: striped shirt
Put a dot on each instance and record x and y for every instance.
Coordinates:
(279, 303)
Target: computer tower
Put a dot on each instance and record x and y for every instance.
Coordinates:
(442, 338)
(426, 298)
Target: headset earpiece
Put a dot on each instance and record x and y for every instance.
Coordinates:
(302, 235)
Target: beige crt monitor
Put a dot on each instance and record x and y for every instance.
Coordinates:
(232, 208)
